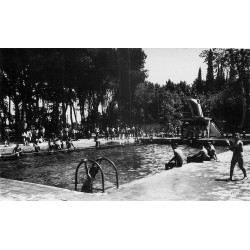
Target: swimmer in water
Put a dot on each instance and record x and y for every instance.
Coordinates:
(87, 185)
(178, 158)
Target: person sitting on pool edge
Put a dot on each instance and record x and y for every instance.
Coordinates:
(200, 157)
(51, 144)
(37, 148)
(58, 144)
(211, 151)
(69, 143)
(17, 151)
(178, 158)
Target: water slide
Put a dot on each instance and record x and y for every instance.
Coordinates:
(195, 108)
(196, 111)
(215, 131)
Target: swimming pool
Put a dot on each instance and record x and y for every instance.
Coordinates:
(132, 162)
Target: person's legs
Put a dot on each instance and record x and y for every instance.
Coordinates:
(194, 158)
(240, 162)
(170, 165)
(233, 163)
(179, 165)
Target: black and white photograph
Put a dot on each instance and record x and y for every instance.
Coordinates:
(124, 125)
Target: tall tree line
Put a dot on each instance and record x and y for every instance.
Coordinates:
(226, 91)
(43, 84)
(110, 88)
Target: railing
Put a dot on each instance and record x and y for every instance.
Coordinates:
(91, 178)
(99, 160)
(85, 161)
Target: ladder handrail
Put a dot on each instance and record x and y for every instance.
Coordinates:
(85, 161)
(100, 159)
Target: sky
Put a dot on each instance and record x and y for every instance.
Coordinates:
(174, 64)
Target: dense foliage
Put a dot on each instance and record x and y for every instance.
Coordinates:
(225, 94)
(109, 87)
(43, 84)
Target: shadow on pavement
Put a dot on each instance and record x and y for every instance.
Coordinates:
(227, 179)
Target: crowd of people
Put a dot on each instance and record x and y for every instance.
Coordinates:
(65, 138)
(124, 132)
(33, 136)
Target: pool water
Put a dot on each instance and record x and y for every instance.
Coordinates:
(132, 162)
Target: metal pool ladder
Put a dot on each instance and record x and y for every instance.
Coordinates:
(96, 162)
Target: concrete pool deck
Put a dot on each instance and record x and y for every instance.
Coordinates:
(194, 181)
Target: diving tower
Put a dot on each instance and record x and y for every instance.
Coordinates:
(196, 124)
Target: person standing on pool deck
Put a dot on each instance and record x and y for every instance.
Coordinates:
(24, 138)
(237, 148)
(178, 158)
(7, 137)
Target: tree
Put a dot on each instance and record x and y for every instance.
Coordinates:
(199, 84)
(131, 73)
(210, 72)
(232, 92)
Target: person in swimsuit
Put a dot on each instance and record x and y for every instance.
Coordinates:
(7, 137)
(200, 157)
(178, 158)
(17, 151)
(237, 148)
(88, 182)
(37, 148)
(69, 144)
(211, 151)
(24, 138)
(51, 144)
